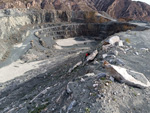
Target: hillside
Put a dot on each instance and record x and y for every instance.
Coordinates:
(120, 9)
(124, 9)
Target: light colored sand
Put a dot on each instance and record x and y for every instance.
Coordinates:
(70, 42)
(17, 69)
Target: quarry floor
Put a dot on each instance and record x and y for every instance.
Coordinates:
(41, 86)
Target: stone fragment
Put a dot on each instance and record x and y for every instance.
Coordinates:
(116, 61)
(106, 47)
(75, 66)
(41, 93)
(72, 104)
(104, 56)
(95, 85)
(116, 52)
(144, 49)
(82, 80)
(106, 84)
(95, 62)
(121, 49)
(100, 75)
(31, 43)
(127, 76)
(119, 43)
(119, 62)
(90, 74)
(111, 78)
(136, 53)
(69, 91)
(112, 56)
(108, 56)
(92, 56)
(112, 40)
(42, 42)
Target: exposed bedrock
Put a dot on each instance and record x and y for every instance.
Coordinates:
(19, 24)
(67, 30)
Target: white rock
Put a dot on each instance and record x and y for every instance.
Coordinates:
(106, 47)
(108, 56)
(95, 62)
(136, 53)
(121, 49)
(92, 56)
(122, 75)
(75, 66)
(144, 49)
(82, 80)
(116, 52)
(113, 40)
(112, 56)
(104, 56)
(90, 74)
(95, 85)
(120, 43)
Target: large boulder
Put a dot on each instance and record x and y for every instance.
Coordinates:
(127, 76)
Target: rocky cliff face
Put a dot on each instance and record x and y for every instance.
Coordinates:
(49, 4)
(126, 9)
(120, 9)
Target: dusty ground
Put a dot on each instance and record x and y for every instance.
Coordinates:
(51, 89)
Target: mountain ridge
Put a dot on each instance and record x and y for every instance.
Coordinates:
(118, 9)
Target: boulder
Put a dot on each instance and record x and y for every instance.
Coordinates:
(92, 56)
(106, 47)
(127, 76)
(114, 39)
(119, 43)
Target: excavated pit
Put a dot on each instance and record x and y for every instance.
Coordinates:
(44, 50)
(22, 24)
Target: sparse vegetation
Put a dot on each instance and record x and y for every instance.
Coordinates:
(87, 110)
(127, 40)
(134, 93)
(39, 109)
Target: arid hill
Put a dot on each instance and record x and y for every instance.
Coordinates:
(126, 9)
(120, 9)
